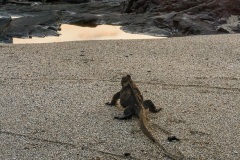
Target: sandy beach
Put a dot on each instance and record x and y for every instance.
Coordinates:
(52, 98)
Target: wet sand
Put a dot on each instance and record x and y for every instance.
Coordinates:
(52, 103)
(77, 33)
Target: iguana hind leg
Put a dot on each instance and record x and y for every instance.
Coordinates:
(148, 104)
(114, 99)
(126, 114)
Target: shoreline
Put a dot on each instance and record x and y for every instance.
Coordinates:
(78, 33)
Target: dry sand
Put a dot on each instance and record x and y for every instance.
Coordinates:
(52, 98)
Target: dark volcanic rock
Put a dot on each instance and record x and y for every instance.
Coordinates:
(231, 26)
(78, 1)
(83, 19)
(3, 1)
(191, 24)
(197, 17)
(45, 20)
(138, 6)
(230, 6)
(4, 22)
(41, 26)
(5, 39)
(153, 17)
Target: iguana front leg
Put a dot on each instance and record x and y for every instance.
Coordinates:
(114, 99)
(148, 104)
(128, 112)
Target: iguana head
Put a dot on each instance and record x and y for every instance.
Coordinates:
(126, 80)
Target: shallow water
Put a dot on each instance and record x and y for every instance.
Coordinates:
(77, 33)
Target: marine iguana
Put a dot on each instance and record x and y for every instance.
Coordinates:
(132, 100)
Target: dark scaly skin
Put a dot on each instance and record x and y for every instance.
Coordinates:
(132, 100)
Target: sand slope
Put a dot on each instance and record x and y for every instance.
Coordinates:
(52, 98)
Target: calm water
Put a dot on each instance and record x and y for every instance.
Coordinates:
(77, 33)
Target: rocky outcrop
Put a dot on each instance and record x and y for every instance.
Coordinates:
(85, 19)
(78, 1)
(197, 17)
(137, 6)
(153, 17)
(4, 23)
(39, 26)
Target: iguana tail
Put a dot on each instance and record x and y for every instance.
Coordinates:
(143, 119)
(143, 126)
